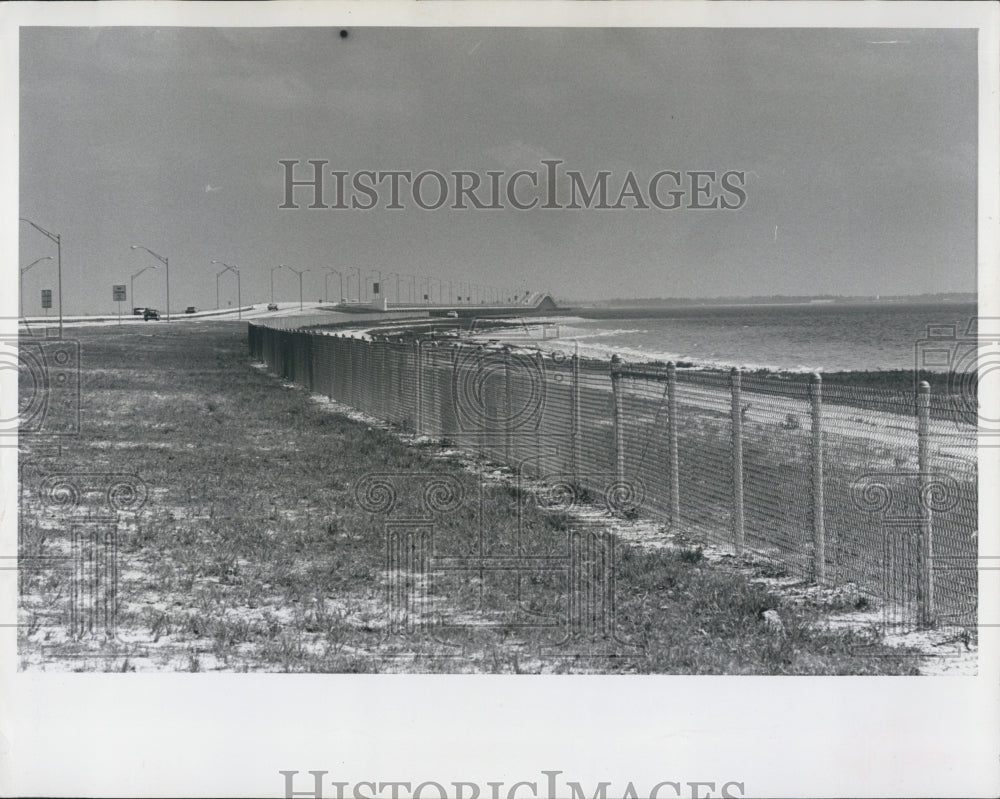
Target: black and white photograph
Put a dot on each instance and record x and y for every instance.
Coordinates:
(373, 355)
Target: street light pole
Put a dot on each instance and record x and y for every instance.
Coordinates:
(299, 272)
(58, 240)
(326, 283)
(239, 300)
(272, 281)
(166, 263)
(20, 291)
(132, 279)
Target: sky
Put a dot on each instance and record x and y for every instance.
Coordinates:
(858, 148)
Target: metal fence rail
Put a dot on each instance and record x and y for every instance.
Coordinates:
(864, 486)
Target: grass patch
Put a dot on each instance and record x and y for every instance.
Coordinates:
(254, 553)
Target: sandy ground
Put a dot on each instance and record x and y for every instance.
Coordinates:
(948, 652)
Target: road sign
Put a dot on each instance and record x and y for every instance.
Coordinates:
(46, 298)
(118, 295)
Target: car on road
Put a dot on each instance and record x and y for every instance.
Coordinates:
(151, 313)
(272, 306)
(190, 309)
(138, 311)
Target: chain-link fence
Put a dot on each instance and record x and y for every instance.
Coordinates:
(872, 487)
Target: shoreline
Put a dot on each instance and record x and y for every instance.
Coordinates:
(945, 385)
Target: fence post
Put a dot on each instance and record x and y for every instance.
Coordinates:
(575, 411)
(418, 413)
(365, 352)
(375, 366)
(819, 532)
(311, 350)
(453, 395)
(340, 365)
(737, 446)
(508, 403)
(540, 371)
(675, 472)
(619, 428)
(430, 406)
(925, 556)
(398, 374)
(482, 367)
(381, 389)
(387, 373)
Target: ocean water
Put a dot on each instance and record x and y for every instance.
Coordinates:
(815, 337)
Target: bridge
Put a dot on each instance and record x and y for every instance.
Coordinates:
(538, 302)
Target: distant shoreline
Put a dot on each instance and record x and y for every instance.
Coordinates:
(690, 309)
(794, 299)
(893, 385)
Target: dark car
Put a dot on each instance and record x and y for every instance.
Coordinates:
(190, 309)
(272, 306)
(150, 313)
(138, 311)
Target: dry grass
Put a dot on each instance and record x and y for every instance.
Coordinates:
(253, 553)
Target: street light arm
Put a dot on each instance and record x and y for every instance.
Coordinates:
(36, 261)
(158, 257)
(53, 236)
